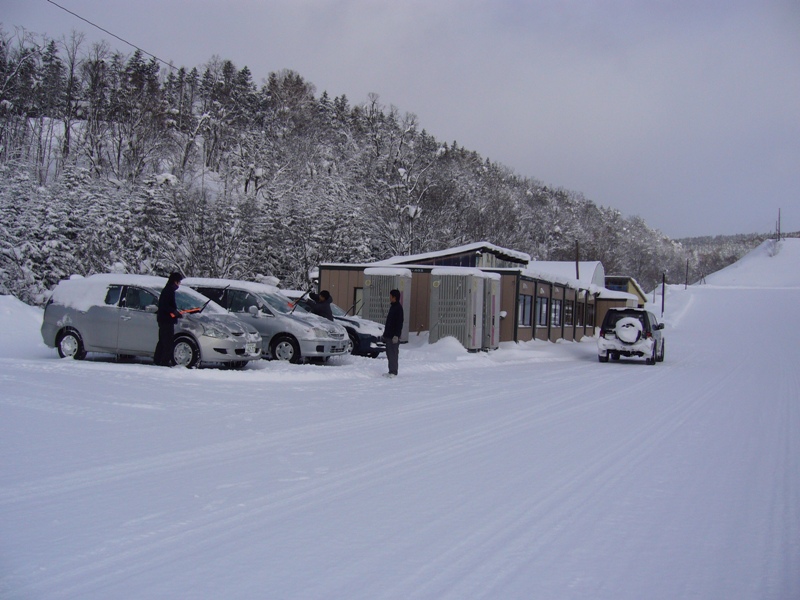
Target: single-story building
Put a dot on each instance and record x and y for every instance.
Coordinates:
(538, 300)
(624, 283)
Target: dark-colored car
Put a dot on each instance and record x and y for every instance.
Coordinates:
(631, 332)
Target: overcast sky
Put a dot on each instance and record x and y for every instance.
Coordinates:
(686, 113)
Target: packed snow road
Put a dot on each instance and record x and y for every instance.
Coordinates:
(532, 472)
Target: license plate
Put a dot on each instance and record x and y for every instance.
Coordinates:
(250, 348)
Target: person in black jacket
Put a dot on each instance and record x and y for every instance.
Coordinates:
(167, 315)
(321, 304)
(392, 331)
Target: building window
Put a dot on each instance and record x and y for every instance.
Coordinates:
(590, 315)
(524, 305)
(556, 316)
(569, 310)
(579, 314)
(541, 311)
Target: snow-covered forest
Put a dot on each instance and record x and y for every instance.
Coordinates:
(115, 162)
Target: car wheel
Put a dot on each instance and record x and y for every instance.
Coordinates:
(602, 359)
(353, 344)
(661, 356)
(614, 355)
(186, 353)
(652, 359)
(286, 348)
(70, 345)
(375, 355)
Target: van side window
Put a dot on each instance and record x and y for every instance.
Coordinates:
(112, 296)
(139, 299)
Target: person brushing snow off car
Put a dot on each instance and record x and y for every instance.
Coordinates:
(321, 304)
(167, 315)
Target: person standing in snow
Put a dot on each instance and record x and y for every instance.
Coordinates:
(392, 332)
(321, 304)
(167, 315)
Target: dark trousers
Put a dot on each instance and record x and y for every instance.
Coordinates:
(164, 349)
(392, 353)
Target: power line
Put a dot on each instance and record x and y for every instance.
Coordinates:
(143, 51)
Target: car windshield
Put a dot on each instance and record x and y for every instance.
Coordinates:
(337, 311)
(187, 299)
(280, 303)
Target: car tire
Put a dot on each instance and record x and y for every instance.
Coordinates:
(285, 347)
(185, 352)
(628, 330)
(661, 356)
(602, 359)
(70, 345)
(653, 358)
(353, 343)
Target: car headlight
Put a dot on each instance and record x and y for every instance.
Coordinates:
(320, 333)
(215, 332)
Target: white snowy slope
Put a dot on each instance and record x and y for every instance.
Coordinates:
(530, 472)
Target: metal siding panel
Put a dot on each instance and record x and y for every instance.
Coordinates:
(376, 298)
(456, 309)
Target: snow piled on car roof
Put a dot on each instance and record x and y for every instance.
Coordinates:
(81, 293)
(250, 286)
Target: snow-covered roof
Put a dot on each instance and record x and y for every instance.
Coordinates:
(390, 271)
(592, 272)
(465, 271)
(250, 286)
(81, 293)
(607, 294)
(412, 258)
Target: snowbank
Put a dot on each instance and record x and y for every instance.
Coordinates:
(772, 264)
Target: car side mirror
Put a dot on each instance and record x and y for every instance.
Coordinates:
(660, 326)
(503, 314)
(253, 310)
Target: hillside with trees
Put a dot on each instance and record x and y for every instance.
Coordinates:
(111, 162)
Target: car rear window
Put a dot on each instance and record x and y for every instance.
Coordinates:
(613, 316)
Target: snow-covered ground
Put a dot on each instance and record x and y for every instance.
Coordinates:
(530, 472)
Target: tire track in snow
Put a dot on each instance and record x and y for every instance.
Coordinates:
(78, 574)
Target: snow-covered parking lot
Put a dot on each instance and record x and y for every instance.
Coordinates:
(529, 472)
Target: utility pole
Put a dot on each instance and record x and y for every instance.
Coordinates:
(686, 284)
(663, 291)
(577, 260)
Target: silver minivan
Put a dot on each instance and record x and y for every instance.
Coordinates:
(116, 314)
(289, 332)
